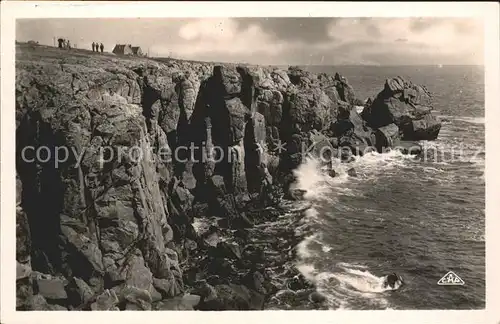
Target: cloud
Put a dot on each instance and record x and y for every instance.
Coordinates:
(434, 40)
(224, 40)
(296, 29)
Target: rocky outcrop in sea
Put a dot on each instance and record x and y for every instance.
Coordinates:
(114, 212)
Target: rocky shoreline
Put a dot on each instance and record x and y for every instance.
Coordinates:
(103, 229)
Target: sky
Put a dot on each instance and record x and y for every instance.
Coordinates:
(278, 41)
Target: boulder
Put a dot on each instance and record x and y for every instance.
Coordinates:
(300, 77)
(134, 298)
(399, 102)
(137, 274)
(105, 301)
(50, 287)
(186, 302)
(166, 287)
(79, 292)
(229, 78)
(225, 249)
(255, 280)
(307, 109)
(345, 90)
(316, 297)
(386, 137)
(233, 297)
(352, 172)
(88, 253)
(320, 147)
(426, 128)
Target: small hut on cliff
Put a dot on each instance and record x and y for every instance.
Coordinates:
(123, 49)
(137, 51)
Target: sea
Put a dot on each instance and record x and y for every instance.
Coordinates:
(417, 216)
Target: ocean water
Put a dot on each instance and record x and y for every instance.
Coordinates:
(417, 216)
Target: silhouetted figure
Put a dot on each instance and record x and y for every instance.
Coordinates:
(102, 47)
(93, 47)
(61, 42)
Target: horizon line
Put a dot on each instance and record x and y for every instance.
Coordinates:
(275, 65)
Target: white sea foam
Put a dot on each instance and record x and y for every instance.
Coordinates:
(345, 282)
(326, 248)
(307, 270)
(472, 120)
(467, 119)
(303, 250)
(310, 178)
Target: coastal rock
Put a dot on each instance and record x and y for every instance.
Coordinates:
(134, 298)
(123, 225)
(320, 147)
(353, 133)
(408, 106)
(38, 302)
(306, 110)
(233, 297)
(270, 105)
(166, 287)
(424, 129)
(386, 137)
(96, 211)
(186, 302)
(79, 292)
(317, 297)
(345, 90)
(408, 147)
(50, 287)
(105, 301)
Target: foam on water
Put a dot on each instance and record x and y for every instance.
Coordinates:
(310, 179)
(467, 119)
(347, 282)
(473, 120)
(354, 286)
(303, 250)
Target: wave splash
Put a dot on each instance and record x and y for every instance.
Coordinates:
(345, 285)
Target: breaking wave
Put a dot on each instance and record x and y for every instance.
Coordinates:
(345, 284)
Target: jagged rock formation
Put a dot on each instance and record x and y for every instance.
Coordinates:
(107, 193)
(406, 105)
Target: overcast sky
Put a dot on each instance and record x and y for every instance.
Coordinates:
(323, 41)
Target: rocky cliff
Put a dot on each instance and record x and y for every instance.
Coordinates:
(114, 212)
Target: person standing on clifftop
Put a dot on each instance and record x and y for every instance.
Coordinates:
(93, 47)
(102, 47)
(97, 47)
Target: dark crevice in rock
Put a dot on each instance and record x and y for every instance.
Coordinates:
(43, 191)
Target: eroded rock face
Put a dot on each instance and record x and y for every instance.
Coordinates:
(306, 110)
(100, 215)
(408, 106)
(111, 224)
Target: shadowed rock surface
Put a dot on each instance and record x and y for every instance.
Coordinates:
(114, 213)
